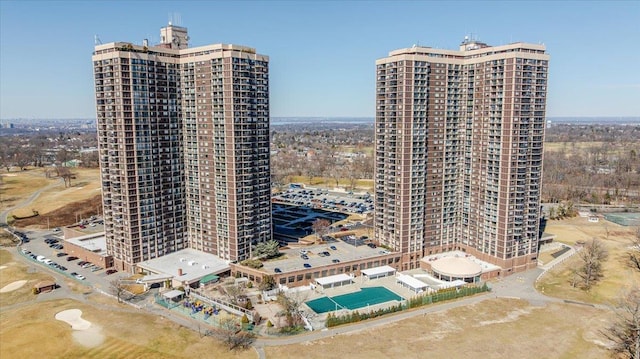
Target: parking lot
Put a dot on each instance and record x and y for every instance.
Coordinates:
(322, 198)
(46, 248)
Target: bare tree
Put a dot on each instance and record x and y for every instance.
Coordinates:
(66, 175)
(624, 332)
(233, 291)
(291, 304)
(634, 251)
(119, 289)
(592, 256)
(230, 333)
(320, 226)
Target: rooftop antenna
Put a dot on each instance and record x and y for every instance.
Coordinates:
(96, 40)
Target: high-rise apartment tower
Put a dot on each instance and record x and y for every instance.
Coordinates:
(459, 138)
(184, 147)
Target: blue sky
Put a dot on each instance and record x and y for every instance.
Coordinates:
(322, 54)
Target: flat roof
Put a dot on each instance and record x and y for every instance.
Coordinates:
(485, 266)
(94, 242)
(338, 278)
(193, 263)
(411, 282)
(377, 270)
(344, 252)
(173, 293)
(460, 267)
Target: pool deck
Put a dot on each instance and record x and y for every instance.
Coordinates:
(389, 283)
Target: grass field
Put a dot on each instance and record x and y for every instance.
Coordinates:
(15, 271)
(617, 275)
(85, 186)
(18, 186)
(29, 330)
(557, 146)
(501, 328)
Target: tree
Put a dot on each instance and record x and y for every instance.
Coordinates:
(119, 289)
(624, 332)
(233, 291)
(634, 251)
(267, 249)
(66, 175)
(320, 226)
(267, 283)
(592, 256)
(229, 332)
(291, 304)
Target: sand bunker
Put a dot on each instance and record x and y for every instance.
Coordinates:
(85, 333)
(12, 286)
(3, 267)
(73, 317)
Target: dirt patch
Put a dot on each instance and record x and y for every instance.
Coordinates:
(65, 215)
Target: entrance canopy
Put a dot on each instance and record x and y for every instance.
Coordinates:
(378, 272)
(334, 280)
(154, 278)
(411, 283)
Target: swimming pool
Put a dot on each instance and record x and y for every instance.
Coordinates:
(363, 298)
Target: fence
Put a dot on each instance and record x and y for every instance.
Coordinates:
(229, 307)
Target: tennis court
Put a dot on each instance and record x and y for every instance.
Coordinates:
(363, 298)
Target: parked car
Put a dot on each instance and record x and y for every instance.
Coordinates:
(80, 276)
(304, 256)
(335, 260)
(96, 268)
(25, 251)
(277, 270)
(333, 248)
(371, 245)
(111, 271)
(61, 254)
(326, 253)
(307, 265)
(81, 263)
(87, 265)
(71, 258)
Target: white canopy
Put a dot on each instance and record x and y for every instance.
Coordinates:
(331, 280)
(173, 294)
(411, 282)
(378, 271)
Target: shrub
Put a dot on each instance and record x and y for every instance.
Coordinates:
(252, 263)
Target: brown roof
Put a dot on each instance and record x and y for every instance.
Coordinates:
(45, 283)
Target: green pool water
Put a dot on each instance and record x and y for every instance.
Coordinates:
(366, 296)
